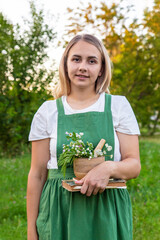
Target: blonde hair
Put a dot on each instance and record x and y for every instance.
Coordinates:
(103, 81)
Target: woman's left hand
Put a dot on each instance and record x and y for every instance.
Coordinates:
(129, 167)
(96, 180)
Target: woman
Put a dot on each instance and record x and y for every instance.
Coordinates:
(82, 106)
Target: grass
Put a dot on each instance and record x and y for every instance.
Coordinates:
(144, 192)
(13, 178)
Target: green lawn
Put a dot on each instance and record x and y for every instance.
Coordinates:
(144, 192)
(13, 179)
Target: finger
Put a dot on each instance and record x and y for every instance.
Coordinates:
(102, 190)
(79, 182)
(89, 190)
(96, 190)
(84, 188)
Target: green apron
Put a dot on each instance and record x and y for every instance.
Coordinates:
(65, 215)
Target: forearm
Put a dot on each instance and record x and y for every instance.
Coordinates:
(34, 189)
(126, 169)
(129, 167)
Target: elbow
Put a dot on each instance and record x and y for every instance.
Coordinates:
(137, 169)
(134, 170)
(37, 175)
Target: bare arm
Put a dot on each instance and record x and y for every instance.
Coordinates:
(36, 179)
(129, 167)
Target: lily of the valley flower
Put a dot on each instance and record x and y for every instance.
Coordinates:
(16, 47)
(4, 52)
(78, 149)
(109, 148)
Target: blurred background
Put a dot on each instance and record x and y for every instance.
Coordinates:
(33, 35)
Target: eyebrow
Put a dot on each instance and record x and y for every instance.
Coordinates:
(76, 55)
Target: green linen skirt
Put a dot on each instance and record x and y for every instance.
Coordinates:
(67, 215)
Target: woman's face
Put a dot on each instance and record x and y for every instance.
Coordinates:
(84, 65)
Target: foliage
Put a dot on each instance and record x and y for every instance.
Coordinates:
(13, 178)
(24, 80)
(144, 193)
(134, 49)
(78, 149)
(136, 68)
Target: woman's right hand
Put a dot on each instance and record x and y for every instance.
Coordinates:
(36, 179)
(95, 180)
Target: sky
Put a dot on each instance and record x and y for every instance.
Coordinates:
(16, 10)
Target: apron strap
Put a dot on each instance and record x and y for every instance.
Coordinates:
(108, 111)
(60, 107)
(107, 103)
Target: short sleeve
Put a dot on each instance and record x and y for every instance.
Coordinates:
(125, 118)
(38, 129)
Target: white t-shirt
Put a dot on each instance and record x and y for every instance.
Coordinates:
(44, 124)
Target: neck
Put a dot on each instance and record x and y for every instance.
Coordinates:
(82, 99)
(82, 94)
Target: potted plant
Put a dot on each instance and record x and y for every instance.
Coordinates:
(83, 157)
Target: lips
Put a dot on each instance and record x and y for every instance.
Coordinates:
(81, 76)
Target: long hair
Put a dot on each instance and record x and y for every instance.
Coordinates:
(102, 82)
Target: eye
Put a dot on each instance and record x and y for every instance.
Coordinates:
(75, 59)
(92, 61)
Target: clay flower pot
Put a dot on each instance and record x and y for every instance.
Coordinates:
(82, 166)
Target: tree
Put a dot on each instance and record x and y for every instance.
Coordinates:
(152, 48)
(134, 50)
(136, 66)
(24, 80)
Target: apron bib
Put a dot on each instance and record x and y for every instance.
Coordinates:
(65, 215)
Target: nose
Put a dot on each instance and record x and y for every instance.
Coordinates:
(82, 67)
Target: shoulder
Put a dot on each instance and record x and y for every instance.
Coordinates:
(118, 99)
(47, 105)
(120, 104)
(123, 116)
(47, 109)
(44, 121)
(48, 113)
